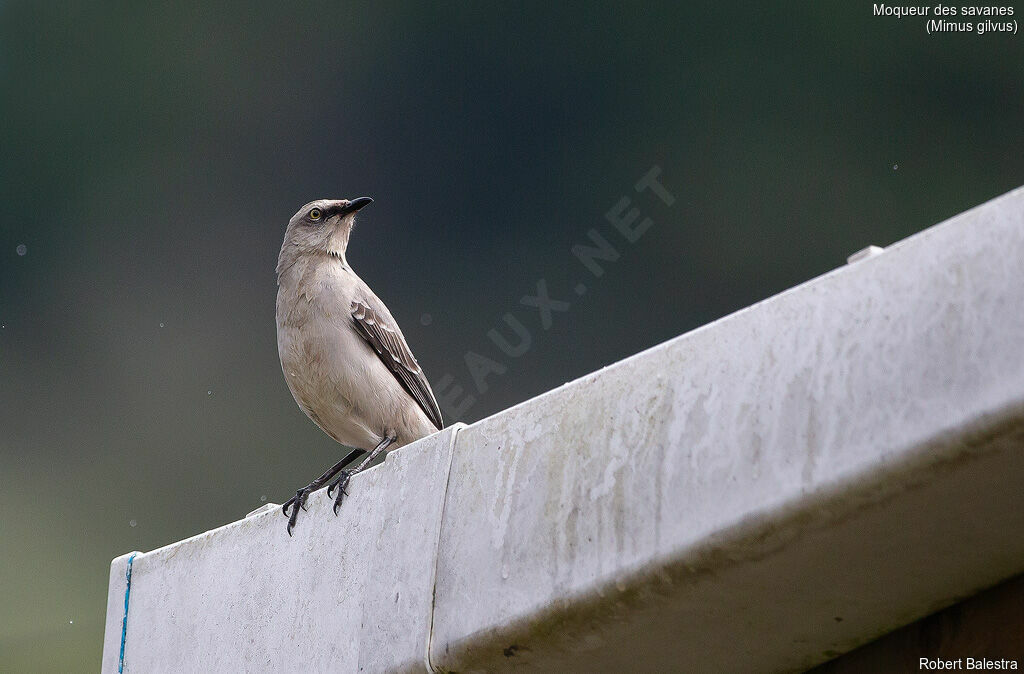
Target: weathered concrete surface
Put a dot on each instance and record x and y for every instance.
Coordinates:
(757, 495)
(344, 594)
(764, 492)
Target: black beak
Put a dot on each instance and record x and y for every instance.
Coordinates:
(354, 205)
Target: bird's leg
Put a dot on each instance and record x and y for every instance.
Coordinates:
(299, 500)
(343, 477)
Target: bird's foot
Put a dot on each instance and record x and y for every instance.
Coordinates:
(296, 502)
(340, 483)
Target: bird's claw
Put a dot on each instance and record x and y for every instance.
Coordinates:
(296, 502)
(339, 483)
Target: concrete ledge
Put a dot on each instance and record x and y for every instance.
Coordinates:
(761, 494)
(344, 594)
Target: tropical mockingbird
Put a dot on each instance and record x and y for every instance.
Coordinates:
(344, 357)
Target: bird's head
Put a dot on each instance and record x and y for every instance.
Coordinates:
(320, 227)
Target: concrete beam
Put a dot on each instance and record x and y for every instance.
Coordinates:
(761, 494)
(343, 594)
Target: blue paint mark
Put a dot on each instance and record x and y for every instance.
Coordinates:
(124, 620)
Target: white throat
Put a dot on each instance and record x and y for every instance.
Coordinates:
(337, 242)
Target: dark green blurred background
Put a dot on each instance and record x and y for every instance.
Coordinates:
(150, 157)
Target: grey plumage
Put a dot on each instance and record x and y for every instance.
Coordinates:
(343, 355)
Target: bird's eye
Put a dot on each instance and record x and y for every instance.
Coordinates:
(315, 214)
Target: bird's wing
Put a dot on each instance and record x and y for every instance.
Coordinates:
(379, 329)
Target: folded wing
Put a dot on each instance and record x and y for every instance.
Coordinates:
(382, 332)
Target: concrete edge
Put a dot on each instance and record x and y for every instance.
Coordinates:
(117, 585)
(894, 248)
(455, 428)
